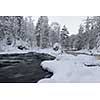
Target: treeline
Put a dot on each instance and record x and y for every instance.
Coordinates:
(20, 31)
(88, 36)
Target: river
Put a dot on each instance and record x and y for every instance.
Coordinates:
(23, 68)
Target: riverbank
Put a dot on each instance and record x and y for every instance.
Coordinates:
(69, 68)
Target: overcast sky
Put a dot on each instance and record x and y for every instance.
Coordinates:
(71, 22)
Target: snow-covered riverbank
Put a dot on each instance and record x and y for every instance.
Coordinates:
(69, 68)
(15, 50)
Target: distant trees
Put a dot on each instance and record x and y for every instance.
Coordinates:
(64, 38)
(79, 41)
(88, 34)
(72, 39)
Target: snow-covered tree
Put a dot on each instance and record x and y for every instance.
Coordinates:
(6, 29)
(54, 33)
(30, 31)
(91, 30)
(42, 32)
(21, 29)
(98, 41)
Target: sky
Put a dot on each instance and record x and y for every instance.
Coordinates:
(71, 22)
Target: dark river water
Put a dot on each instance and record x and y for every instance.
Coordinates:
(23, 68)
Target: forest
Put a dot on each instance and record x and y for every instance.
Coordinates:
(20, 32)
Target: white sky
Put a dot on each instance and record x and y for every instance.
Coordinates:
(71, 22)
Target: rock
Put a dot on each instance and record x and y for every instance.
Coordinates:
(22, 47)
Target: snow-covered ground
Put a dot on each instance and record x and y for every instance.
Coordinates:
(85, 51)
(14, 50)
(69, 68)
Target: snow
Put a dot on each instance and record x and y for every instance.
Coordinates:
(9, 49)
(57, 45)
(69, 68)
(15, 50)
(93, 51)
(49, 51)
(83, 51)
(66, 67)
